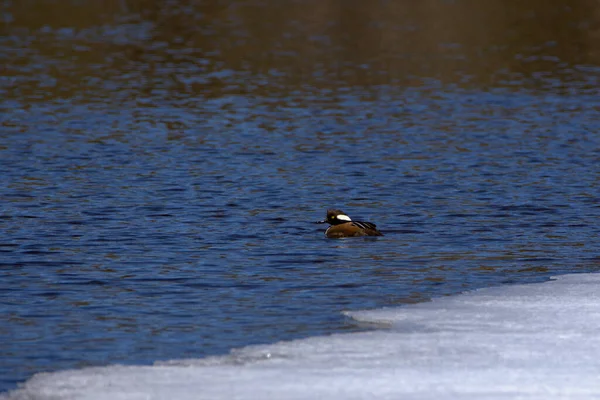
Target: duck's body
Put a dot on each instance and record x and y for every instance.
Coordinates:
(342, 226)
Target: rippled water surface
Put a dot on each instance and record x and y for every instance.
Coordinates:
(162, 168)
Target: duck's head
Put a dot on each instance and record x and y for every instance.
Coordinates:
(335, 217)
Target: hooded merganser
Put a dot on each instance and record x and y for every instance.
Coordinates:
(343, 226)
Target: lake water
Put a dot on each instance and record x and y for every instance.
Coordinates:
(163, 166)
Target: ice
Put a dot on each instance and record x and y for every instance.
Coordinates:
(536, 341)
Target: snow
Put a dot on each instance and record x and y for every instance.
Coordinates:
(535, 341)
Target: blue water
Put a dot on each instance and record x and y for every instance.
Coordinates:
(163, 206)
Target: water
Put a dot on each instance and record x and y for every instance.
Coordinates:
(162, 168)
(534, 341)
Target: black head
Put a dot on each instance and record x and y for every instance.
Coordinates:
(335, 217)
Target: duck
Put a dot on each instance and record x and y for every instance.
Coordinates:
(342, 226)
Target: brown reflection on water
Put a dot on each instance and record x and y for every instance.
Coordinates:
(93, 49)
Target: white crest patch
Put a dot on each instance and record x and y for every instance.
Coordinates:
(343, 217)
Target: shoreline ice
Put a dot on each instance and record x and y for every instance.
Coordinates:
(531, 341)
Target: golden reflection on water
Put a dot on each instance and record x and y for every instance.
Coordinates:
(96, 49)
